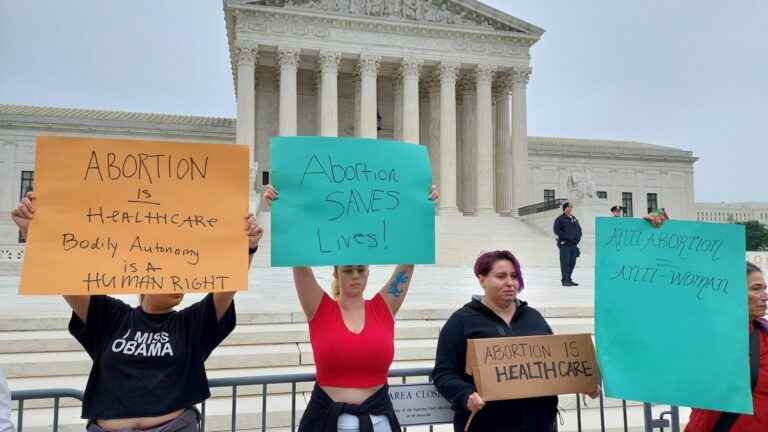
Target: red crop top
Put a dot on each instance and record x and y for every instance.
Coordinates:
(352, 360)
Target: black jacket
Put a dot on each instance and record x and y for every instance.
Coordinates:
(567, 230)
(322, 413)
(473, 321)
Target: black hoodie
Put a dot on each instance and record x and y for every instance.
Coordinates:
(473, 321)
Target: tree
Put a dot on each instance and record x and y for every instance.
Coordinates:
(757, 235)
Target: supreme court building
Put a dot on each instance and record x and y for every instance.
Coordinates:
(447, 74)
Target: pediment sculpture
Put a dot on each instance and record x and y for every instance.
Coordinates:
(434, 11)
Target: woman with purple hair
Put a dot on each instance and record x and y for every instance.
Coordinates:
(499, 313)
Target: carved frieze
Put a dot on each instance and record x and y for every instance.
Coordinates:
(432, 11)
(252, 24)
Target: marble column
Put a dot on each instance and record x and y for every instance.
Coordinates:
(504, 145)
(410, 70)
(484, 133)
(328, 94)
(288, 58)
(497, 165)
(397, 102)
(520, 189)
(357, 98)
(245, 129)
(448, 72)
(468, 152)
(317, 81)
(432, 86)
(369, 72)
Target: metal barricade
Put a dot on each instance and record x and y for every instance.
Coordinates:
(56, 394)
(650, 424)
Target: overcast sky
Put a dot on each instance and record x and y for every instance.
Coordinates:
(691, 74)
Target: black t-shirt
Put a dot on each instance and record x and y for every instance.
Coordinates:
(147, 364)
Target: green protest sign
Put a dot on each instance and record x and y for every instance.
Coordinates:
(351, 201)
(671, 313)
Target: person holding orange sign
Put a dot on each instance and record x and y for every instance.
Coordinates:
(148, 362)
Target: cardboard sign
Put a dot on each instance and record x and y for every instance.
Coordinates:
(419, 404)
(530, 366)
(671, 313)
(351, 201)
(120, 216)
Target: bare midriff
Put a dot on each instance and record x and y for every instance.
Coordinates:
(351, 395)
(138, 422)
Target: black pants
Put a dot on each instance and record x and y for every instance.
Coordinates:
(568, 255)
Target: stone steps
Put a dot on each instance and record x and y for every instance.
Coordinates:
(40, 341)
(47, 340)
(244, 334)
(18, 365)
(267, 344)
(28, 359)
(79, 381)
(36, 351)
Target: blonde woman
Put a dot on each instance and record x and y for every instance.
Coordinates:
(353, 345)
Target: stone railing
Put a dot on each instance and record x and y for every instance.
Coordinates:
(760, 258)
(11, 253)
(542, 207)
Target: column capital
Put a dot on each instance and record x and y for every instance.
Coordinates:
(369, 64)
(502, 85)
(484, 73)
(288, 56)
(430, 83)
(467, 82)
(410, 67)
(397, 85)
(328, 61)
(448, 71)
(521, 75)
(246, 54)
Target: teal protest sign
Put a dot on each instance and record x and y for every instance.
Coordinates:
(671, 313)
(351, 201)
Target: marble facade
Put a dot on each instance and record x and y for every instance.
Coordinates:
(448, 74)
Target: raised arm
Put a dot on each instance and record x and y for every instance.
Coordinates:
(22, 215)
(394, 291)
(79, 304)
(308, 290)
(222, 300)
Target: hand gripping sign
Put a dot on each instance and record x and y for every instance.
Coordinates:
(120, 216)
(351, 201)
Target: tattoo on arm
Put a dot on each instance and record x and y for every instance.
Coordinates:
(394, 287)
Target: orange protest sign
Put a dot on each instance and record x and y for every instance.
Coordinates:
(529, 366)
(150, 217)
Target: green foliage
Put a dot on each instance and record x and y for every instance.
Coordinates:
(757, 235)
